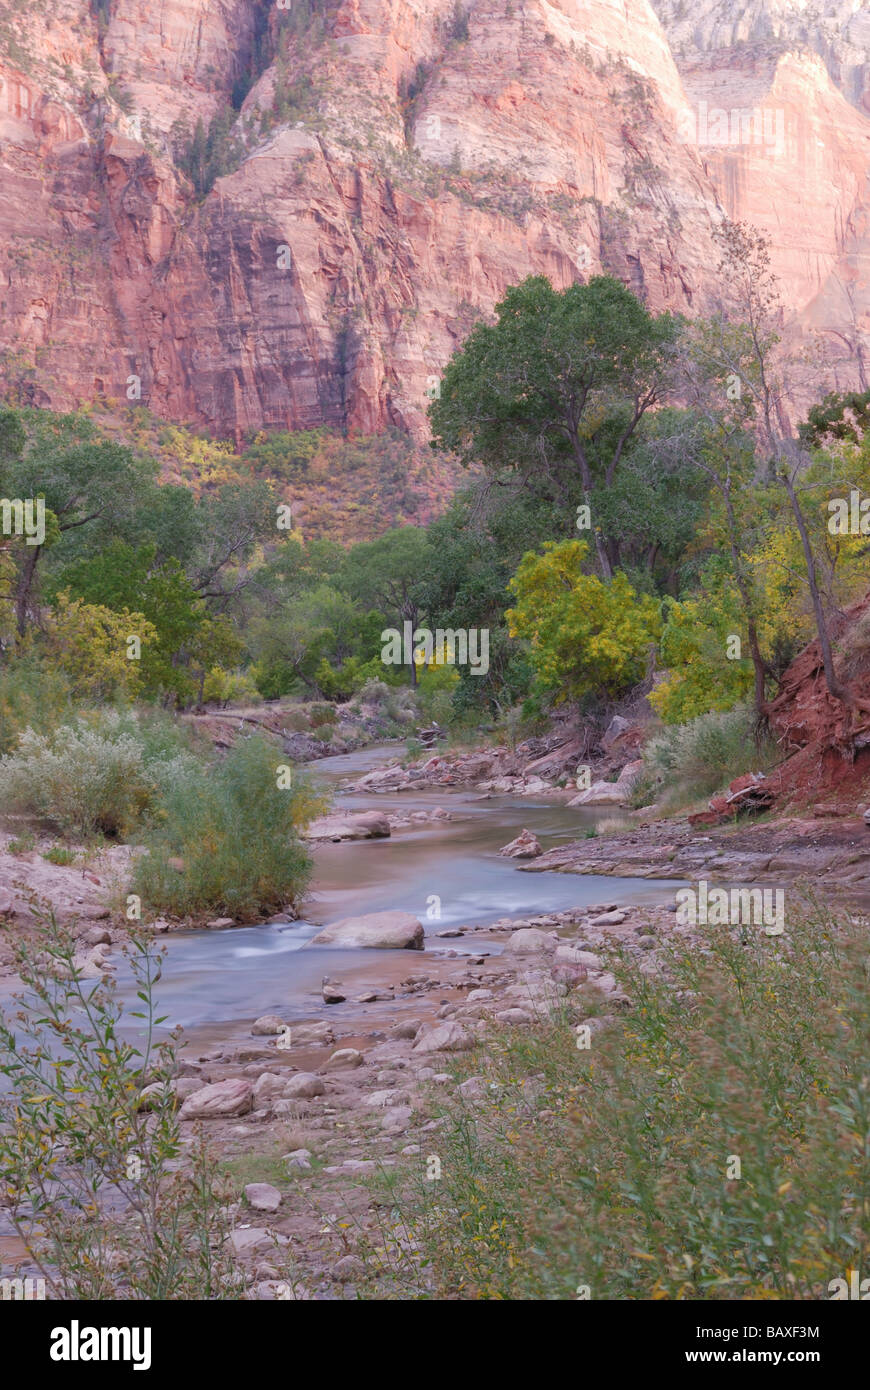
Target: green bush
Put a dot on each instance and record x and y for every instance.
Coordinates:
(73, 1131)
(688, 761)
(236, 833)
(31, 696)
(613, 1167)
(105, 771)
(78, 779)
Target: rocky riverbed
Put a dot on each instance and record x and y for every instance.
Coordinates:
(310, 1111)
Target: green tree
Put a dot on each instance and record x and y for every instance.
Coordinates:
(554, 392)
(390, 574)
(89, 484)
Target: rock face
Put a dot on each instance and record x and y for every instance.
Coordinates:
(611, 793)
(385, 930)
(391, 178)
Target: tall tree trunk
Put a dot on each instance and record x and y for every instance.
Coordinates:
(835, 686)
(25, 585)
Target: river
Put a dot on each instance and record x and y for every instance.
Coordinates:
(448, 867)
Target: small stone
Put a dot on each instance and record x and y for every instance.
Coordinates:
(608, 919)
(344, 1058)
(222, 1098)
(298, 1158)
(332, 995)
(218, 922)
(268, 1087)
(530, 940)
(246, 1239)
(446, 1037)
(409, 1029)
(514, 1016)
(397, 1119)
(97, 936)
(348, 1267)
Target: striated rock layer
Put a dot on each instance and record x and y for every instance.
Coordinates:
(397, 166)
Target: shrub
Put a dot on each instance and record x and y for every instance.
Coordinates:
(105, 771)
(21, 844)
(612, 1167)
(76, 1128)
(236, 832)
(688, 761)
(58, 854)
(436, 690)
(79, 779)
(31, 696)
(229, 687)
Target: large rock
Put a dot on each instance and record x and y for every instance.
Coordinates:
(366, 825)
(528, 941)
(525, 846)
(444, 1037)
(222, 1098)
(394, 930)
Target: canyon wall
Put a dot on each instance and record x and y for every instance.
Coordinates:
(383, 169)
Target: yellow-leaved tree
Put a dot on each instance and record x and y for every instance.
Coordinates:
(91, 645)
(587, 637)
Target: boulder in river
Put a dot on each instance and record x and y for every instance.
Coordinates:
(525, 846)
(395, 930)
(362, 825)
(384, 779)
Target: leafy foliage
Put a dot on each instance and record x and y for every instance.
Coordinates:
(586, 637)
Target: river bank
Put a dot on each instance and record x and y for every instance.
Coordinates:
(308, 1101)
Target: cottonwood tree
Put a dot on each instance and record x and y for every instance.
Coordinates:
(550, 397)
(391, 574)
(87, 483)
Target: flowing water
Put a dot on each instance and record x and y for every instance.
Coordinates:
(452, 867)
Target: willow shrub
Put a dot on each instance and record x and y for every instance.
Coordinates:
(714, 1143)
(227, 839)
(107, 1197)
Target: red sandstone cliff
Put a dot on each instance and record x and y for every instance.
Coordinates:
(420, 163)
